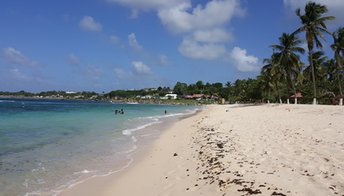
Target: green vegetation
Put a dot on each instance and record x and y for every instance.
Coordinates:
(284, 74)
(286, 58)
(313, 23)
(132, 94)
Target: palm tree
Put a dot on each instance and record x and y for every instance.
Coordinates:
(266, 80)
(313, 24)
(319, 60)
(271, 75)
(338, 48)
(288, 59)
(331, 69)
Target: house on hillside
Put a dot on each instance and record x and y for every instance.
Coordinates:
(170, 96)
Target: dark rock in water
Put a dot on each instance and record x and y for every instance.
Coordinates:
(175, 154)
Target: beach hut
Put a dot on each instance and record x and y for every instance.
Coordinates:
(296, 96)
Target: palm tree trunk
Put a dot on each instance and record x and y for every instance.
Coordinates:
(340, 90)
(339, 69)
(294, 89)
(313, 76)
(340, 85)
(278, 93)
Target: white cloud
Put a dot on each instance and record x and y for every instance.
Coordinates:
(139, 76)
(133, 42)
(212, 35)
(120, 73)
(335, 7)
(72, 59)
(87, 23)
(196, 50)
(243, 61)
(184, 18)
(140, 68)
(202, 26)
(114, 39)
(146, 5)
(24, 77)
(14, 56)
(18, 75)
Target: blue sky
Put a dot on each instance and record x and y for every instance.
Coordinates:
(103, 45)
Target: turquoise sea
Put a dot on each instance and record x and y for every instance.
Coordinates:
(49, 145)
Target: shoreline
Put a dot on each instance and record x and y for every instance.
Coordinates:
(238, 149)
(80, 141)
(144, 146)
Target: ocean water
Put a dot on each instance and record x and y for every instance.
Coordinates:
(47, 146)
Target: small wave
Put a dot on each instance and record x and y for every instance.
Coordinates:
(77, 181)
(134, 139)
(187, 112)
(129, 151)
(156, 120)
(130, 131)
(7, 101)
(85, 171)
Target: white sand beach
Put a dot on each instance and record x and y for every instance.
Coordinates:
(238, 150)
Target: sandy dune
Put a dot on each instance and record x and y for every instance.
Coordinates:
(239, 150)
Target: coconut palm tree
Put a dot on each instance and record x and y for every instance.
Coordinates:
(338, 48)
(287, 58)
(271, 75)
(331, 69)
(313, 24)
(319, 60)
(266, 79)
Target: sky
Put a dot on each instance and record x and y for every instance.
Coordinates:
(104, 45)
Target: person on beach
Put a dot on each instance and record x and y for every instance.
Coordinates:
(165, 111)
